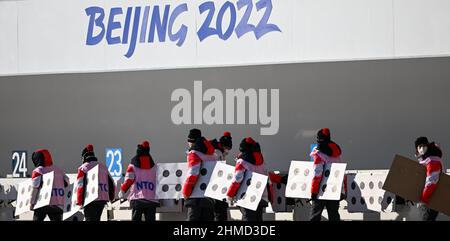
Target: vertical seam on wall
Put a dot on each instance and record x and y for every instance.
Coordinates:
(393, 29)
(17, 41)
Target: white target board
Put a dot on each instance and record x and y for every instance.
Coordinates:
(207, 167)
(300, 178)
(251, 190)
(170, 178)
(332, 181)
(91, 191)
(221, 179)
(70, 201)
(23, 197)
(43, 196)
(365, 193)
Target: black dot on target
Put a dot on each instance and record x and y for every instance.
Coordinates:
(371, 200)
(389, 200)
(380, 200)
(353, 185)
(324, 187)
(214, 187)
(243, 195)
(68, 207)
(224, 190)
(249, 181)
(48, 182)
(293, 186)
(166, 173)
(253, 198)
(178, 173)
(165, 188)
(327, 173)
(69, 194)
(353, 200)
(203, 186)
(46, 196)
(23, 190)
(371, 185)
(380, 184)
(178, 187)
(220, 173)
(278, 185)
(230, 176)
(203, 171)
(362, 185)
(176, 202)
(279, 200)
(363, 201)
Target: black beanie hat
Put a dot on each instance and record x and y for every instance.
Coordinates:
(323, 135)
(247, 145)
(143, 149)
(226, 140)
(88, 153)
(421, 141)
(194, 134)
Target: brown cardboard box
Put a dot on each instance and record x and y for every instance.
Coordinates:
(406, 179)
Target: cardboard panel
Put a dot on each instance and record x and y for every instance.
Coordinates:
(279, 200)
(406, 179)
(365, 193)
(301, 175)
(251, 190)
(70, 206)
(23, 198)
(332, 180)
(91, 191)
(24, 194)
(221, 179)
(45, 193)
(203, 179)
(299, 179)
(170, 178)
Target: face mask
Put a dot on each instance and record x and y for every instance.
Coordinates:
(422, 150)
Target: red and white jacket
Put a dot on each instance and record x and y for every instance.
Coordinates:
(141, 181)
(194, 160)
(239, 172)
(60, 180)
(434, 167)
(104, 179)
(320, 159)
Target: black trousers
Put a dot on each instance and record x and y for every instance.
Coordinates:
(93, 211)
(143, 207)
(250, 215)
(220, 210)
(332, 207)
(200, 209)
(54, 213)
(428, 214)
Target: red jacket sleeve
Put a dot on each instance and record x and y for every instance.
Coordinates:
(129, 179)
(239, 172)
(434, 169)
(318, 171)
(194, 165)
(80, 187)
